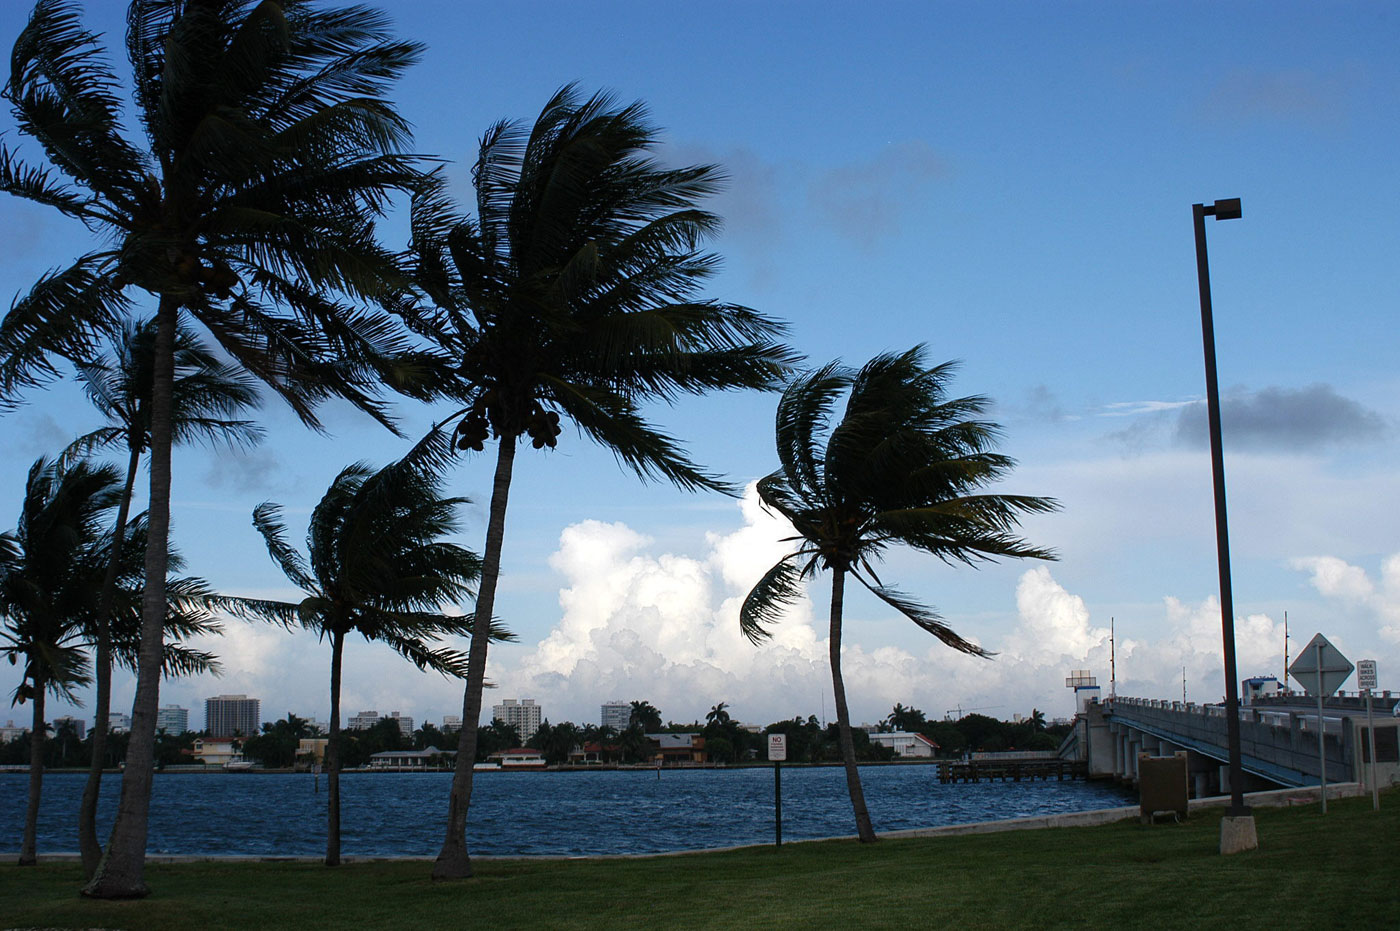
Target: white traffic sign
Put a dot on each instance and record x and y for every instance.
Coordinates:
(1365, 674)
(1321, 667)
(777, 748)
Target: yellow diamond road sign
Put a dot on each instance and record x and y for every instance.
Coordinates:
(1320, 667)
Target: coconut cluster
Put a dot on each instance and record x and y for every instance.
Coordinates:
(475, 429)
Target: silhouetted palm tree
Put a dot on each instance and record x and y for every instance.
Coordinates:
(249, 205)
(645, 715)
(51, 579)
(47, 592)
(206, 395)
(904, 466)
(718, 714)
(376, 565)
(572, 295)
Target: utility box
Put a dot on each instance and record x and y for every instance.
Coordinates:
(1162, 785)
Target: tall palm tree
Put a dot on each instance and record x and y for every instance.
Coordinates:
(376, 565)
(46, 593)
(268, 152)
(718, 714)
(206, 396)
(572, 294)
(50, 584)
(906, 465)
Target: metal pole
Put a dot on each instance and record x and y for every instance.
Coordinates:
(1321, 734)
(1222, 538)
(777, 804)
(1371, 733)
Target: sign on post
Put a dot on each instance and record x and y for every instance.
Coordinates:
(1321, 667)
(1366, 682)
(777, 752)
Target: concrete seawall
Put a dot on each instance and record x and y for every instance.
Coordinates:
(1277, 798)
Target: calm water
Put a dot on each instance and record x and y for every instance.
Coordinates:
(513, 814)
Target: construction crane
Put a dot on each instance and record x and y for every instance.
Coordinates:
(959, 710)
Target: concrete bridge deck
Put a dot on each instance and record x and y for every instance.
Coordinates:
(1278, 740)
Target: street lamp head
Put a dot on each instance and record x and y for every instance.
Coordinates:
(1228, 209)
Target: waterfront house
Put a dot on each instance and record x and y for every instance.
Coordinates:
(677, 749)
(427, 758)
(217, 751)
(905, 744)
(518, 758)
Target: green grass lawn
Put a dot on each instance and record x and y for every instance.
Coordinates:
(1341, 870)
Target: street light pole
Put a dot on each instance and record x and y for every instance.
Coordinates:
(1237, 830)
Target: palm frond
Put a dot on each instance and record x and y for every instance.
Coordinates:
(924, 617)
(267, 521)
(613, 421)
(768, 600)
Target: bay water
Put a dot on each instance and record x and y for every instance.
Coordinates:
(586, 813)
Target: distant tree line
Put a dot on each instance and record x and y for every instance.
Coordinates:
(726, 740)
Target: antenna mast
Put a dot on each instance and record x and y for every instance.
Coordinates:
(1112, 663)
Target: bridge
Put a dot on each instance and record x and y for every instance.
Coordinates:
(1278, 740)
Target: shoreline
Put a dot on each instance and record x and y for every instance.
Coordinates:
(1271, 798)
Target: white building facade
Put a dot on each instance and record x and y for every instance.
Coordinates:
(522, 713)
(173, 719)
(906, 744)
(616, 714)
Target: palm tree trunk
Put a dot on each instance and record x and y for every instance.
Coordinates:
(119, 873)
(88, 845)
(453, 861)
(843, 717)
(29, 846)
(333, 757)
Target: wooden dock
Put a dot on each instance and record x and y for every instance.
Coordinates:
(1009, 770)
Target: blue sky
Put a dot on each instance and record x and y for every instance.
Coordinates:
(1008, 183)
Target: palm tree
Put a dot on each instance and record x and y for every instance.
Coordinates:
(718, 714)
(572, 294)
(645, 715)
(268, 153)
(905, 465)
(206, 395)
(52, 580)
(903, 718)
(376, 565)
(46, 593)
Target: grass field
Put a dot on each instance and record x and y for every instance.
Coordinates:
(1341, 870)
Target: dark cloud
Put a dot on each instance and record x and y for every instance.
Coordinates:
(42, 435)
(1300, 419)
(1288, 96)
(865, 201)
(254, 470)
(748, 203)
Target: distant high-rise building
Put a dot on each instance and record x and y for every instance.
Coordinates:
(118, 722)
(616, 714)
(173, 719)
(79, 725)
(232, 715)
(362, 721)
(367, 719)
(451, 722)
(523, 714)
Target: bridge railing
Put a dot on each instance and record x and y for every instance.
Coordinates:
(1277, 738)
